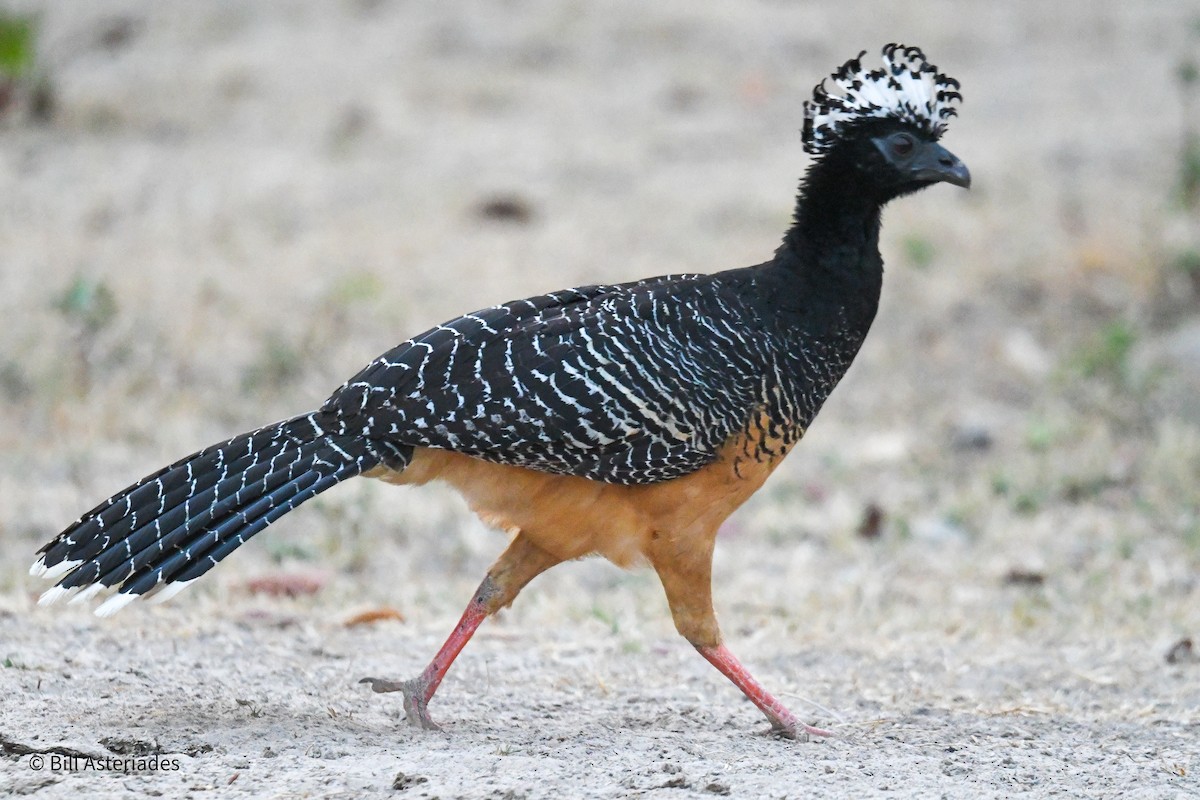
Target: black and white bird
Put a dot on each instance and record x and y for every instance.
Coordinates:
(627, 420)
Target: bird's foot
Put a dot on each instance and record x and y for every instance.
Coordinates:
(785, 725)
(416, 699)
(793, 730)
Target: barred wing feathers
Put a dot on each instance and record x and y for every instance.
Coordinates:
(634, 383)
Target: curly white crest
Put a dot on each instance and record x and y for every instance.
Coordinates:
(907, 88)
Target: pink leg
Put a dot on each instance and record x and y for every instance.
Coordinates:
(782, 720)
(419, 690)
(519, 564)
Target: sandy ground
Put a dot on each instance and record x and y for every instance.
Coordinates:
(233, 206)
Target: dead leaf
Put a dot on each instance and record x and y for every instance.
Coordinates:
(294, 584)
(371, 616)
(1183, 652)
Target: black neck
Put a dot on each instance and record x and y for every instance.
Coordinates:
(833, 244)
(836, 222)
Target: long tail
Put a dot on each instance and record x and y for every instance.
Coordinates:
(168, 529)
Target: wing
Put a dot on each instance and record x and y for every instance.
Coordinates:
(633, 383)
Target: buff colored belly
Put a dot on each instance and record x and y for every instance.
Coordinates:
(572, 517)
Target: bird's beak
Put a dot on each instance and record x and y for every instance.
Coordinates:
(936, 163)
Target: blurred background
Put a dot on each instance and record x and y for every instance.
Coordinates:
(212, 213)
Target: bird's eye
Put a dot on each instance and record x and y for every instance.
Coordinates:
(903, 144)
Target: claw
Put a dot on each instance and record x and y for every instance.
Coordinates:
(802, 732)
(381, 685)
(416, 699)
(783, 732)
(416, 706)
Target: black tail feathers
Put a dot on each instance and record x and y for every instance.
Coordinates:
(168, 529)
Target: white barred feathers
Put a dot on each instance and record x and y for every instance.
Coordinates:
(907, 88)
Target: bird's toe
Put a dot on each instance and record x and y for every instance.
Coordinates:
(382, 685)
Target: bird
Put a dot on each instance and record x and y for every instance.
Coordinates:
(623, 420)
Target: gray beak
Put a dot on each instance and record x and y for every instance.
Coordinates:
(936, 163)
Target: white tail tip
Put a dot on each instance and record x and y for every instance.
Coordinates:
(114, 604)
(40, 570)
(54, 594)
(88, 593)
(169, 590)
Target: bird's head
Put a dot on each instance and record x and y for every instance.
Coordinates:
(881, 125)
